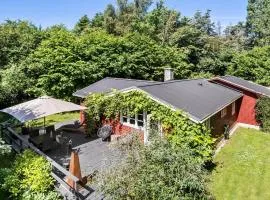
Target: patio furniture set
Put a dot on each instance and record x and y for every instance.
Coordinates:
(47, 138)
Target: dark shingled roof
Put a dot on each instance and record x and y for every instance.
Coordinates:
(107, 84)
(199, 98)
(244, 84)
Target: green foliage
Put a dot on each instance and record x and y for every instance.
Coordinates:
(161, 23)
(82, 25)
(4, 148)
(12, 91)
(17, 40)
(258, 27)
(110, 19)
(179, 128)
(252, 65)
(51, 195)
(30, 172)
(159, 170)
(127, 40)
(64, 63)
(263, 113)
(203, 22)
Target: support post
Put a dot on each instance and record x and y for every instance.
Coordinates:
(147, 119)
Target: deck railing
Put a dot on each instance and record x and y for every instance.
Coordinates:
(59, 173)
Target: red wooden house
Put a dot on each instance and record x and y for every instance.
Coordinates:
(219, 102)
(251, 92)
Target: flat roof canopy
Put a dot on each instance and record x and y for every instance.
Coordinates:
(40, 107)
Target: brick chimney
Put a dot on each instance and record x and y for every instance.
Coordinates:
(168, 74)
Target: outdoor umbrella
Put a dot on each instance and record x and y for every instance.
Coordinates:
(40, 108)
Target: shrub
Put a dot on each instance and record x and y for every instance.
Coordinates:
(52, 195)
(263, 113)
(4, 148)
(159, 170)
(30, 172)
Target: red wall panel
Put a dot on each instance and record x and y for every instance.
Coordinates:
(247, 113)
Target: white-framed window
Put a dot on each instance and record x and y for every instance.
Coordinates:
(224, 112)
(233, 108)
(135, 121)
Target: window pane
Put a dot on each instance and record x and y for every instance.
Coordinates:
(124, 119)
(132, 121)
(140, 124)
(140, 117)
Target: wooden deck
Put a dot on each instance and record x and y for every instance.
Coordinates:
(94, 155)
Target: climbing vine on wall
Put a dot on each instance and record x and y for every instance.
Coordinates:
(178, 128)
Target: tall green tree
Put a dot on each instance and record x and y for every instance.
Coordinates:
(110, 19)
(17, 40)
(82, 25)
(97, 21)
(252, 65)
(258, 27)
(235, 36)
(163, 22)
(64, 62)
(142, 6)
(203, 22)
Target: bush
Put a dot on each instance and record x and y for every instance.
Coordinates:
(159, 170)
(30, 172)
(263, 113)
(52, 195)
(4, 148)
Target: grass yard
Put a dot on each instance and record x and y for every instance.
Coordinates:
(53, 119)
(243, 167)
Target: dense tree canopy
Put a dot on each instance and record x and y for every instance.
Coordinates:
(132, 41)
(64, 62)
(17, 40)
(252, 65)
(258, 26)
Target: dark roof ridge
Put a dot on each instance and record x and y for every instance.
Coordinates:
(173, 81)
(130, 79)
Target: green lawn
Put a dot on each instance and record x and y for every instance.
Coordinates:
(53, 119)
(243, 167)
